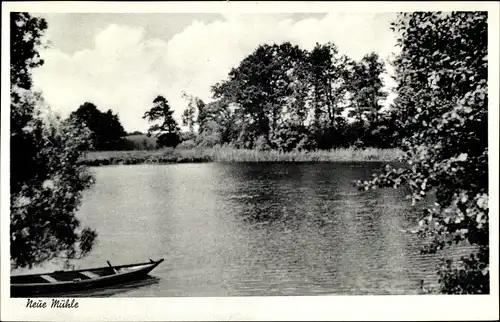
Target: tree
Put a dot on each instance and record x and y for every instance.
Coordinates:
(329, 79)
(107, 131)
(265, 87)
(25, 37)
(46, 181)
(443, 104)
(215, 121)
(167, 131)
(217, 124)
(188, 116)
(365, 86)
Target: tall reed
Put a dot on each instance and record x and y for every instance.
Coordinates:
(227, 154)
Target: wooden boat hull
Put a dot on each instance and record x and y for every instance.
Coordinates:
(122, 274)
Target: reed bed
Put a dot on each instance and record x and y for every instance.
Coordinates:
(227, 154)
(334, 155)
(161, 156)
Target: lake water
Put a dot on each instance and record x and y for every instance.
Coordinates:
(254, 230)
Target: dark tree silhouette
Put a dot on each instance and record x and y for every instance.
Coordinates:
(167, 131)
(107, 131)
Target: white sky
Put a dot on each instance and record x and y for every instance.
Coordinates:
(123, 61)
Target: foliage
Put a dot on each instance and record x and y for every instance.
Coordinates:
(262, 144)
(185, 136)
(167, 131)
(265, 86)
(443, 107)
(187, 144)
(282, 97)
(293, 98)
(188, 116)
(46, 184)
(217, 123)
(329, 78)
(138, 142)
(107, 131)
(289, 137)
(25, 37)
(135, 133)
(366, 85)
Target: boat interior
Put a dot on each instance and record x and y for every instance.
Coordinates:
(66, 276)
(78, 275)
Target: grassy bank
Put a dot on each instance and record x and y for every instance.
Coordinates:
(197, 155)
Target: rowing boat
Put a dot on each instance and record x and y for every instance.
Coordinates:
(76, 280)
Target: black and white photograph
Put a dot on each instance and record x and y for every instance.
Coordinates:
(299, 156)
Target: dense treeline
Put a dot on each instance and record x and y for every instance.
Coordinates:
(283, 97)
(280, 97)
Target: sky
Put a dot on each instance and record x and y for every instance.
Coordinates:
(122, 61)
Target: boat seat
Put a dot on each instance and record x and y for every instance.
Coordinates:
(90, 274)
(49, 278)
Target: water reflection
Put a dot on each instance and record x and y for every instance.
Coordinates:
(147, 281)
(255, 229)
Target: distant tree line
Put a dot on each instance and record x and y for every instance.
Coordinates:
(283, 97)
(279, 97)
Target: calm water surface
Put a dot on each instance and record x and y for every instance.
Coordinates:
(254, 229)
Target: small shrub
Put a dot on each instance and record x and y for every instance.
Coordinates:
(262, 144)
(189, 144)
(208, 140)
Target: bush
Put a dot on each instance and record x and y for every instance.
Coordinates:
(185, 136)
(262, 144)
(170, 140)
(189, 144)
(139, 142)
(47, 185)
(208, 140)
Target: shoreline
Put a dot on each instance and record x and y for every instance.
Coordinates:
(230, 155)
